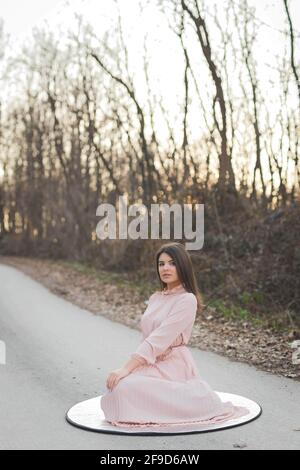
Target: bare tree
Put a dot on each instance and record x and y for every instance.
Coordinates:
(226, 174)
(292, 44)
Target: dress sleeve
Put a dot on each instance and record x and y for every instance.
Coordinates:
(182, 315)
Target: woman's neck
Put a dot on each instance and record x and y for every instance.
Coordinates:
(171, 285)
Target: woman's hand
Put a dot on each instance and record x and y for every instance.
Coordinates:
(115, 376)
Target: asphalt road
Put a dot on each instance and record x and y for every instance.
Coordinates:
(58, 354)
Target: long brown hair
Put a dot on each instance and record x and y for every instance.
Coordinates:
(184, 267)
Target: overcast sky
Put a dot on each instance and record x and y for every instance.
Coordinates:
(21, 15)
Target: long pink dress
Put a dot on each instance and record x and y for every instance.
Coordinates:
(166, 389)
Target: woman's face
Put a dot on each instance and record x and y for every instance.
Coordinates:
(167, 269)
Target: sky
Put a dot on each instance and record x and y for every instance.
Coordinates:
(21, 16)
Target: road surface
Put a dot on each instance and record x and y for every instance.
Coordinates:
(58, 354)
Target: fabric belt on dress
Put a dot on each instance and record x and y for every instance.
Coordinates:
(169, 350)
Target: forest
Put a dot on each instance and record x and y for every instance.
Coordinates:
(187, 102)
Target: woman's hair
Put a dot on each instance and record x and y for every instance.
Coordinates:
(184, 269)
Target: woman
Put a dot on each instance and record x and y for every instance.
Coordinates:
(160, 384)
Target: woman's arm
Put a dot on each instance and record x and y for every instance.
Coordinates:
(118, 374)
(183, 314)
(133, 363)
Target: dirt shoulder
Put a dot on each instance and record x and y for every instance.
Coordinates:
(120, 300)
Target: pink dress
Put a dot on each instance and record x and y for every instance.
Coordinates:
(166, 389)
